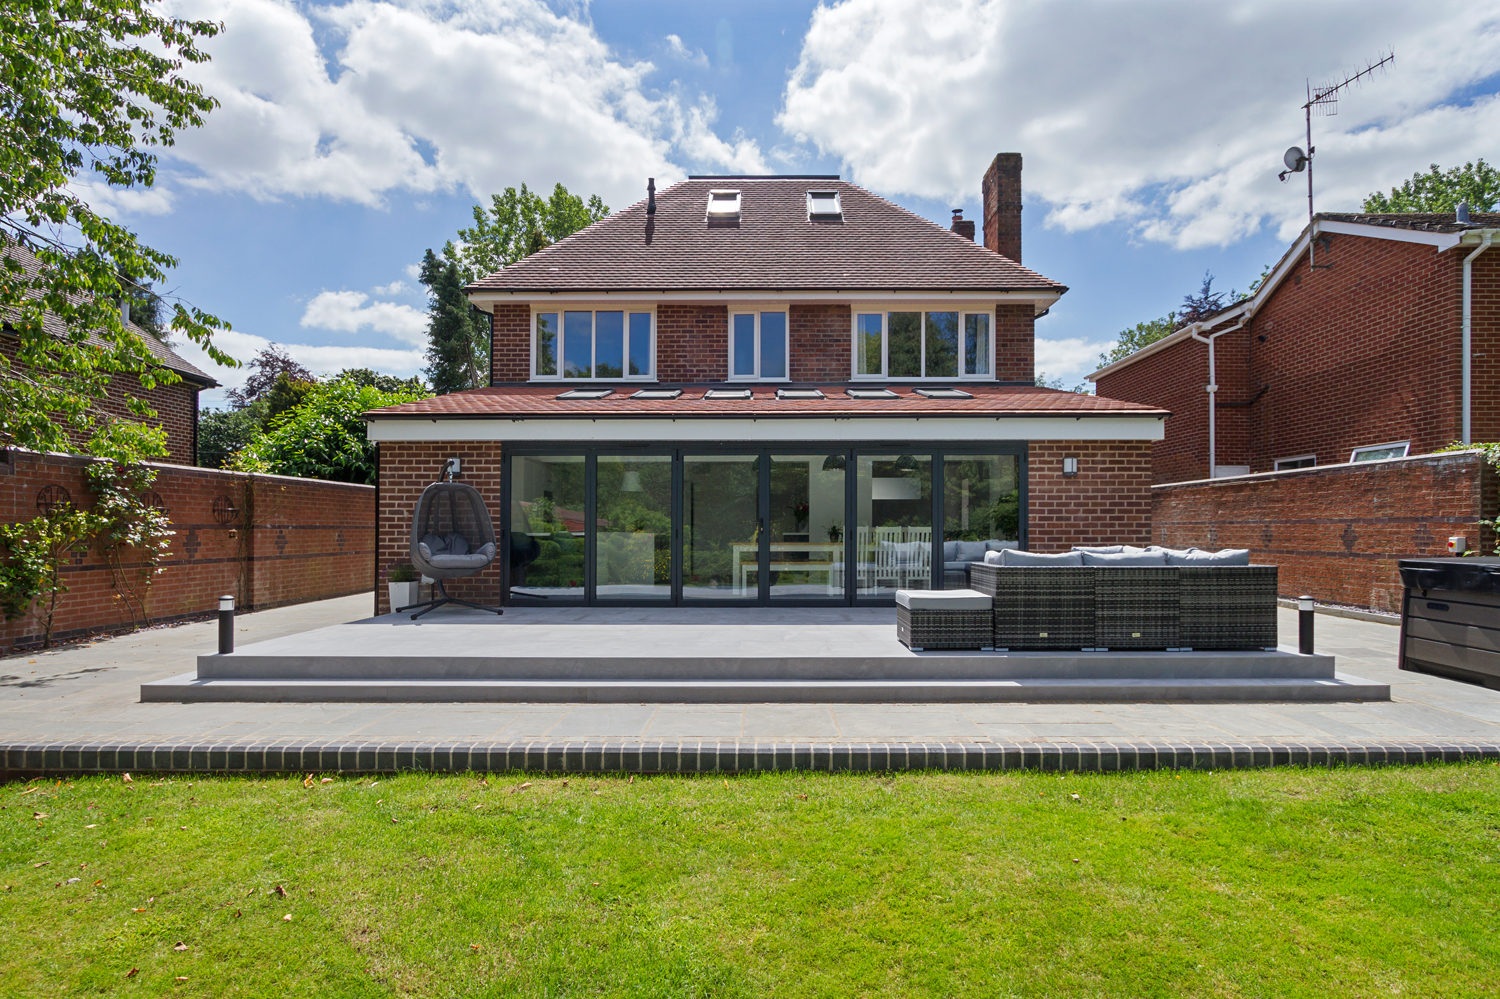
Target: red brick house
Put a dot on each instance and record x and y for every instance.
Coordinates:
(1358, 346)
(768, 390)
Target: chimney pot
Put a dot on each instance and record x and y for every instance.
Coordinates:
(1463, 212)
(1002, 206)
(964, 227)
(650, 195)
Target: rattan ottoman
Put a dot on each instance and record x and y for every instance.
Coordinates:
(943, 619)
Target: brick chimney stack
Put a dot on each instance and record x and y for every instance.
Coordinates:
(1002, 206)
(964, 227)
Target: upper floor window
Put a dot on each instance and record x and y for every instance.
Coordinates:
(593, 344)
(723, 206)
(923, 345)
(824, 206)
(758, 345)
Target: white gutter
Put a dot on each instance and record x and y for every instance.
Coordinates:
(1212, 388)
(1484, 244)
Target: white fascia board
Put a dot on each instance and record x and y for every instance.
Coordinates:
(1438, 240)
(966, 429)
(1041, 301)
(1185, 333)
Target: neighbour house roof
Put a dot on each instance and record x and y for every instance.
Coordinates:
(545, 402)
(161, 351)
(1441, 230)
(772, 245)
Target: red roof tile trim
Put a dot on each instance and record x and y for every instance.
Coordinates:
(541, 402)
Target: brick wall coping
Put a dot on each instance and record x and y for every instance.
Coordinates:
(79, 461)
(1316, 469)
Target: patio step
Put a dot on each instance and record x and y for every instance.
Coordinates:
(1340, 687)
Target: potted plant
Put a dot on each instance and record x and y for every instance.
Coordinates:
(405, 586)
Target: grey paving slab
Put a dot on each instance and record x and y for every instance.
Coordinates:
(696, 721)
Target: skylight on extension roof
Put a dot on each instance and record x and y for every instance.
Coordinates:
(723, 206)
(824, 206)
(656, 394)
(943, 393)
(810, 393)
(728, 394)
(871, 393)
(586, 393)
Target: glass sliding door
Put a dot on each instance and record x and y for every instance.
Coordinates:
(633, 528)
(720, 527)
(981, 509)
(893, 523)
(547, 536)
(806, 516)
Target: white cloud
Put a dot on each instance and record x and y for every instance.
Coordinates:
(389, 290)
(320, 360)
(695, 56)
(346, 312)
(1169, 116)
(1070, 358)
(421, 96)
(112, 201)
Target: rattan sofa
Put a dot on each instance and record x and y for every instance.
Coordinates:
(1170, 607)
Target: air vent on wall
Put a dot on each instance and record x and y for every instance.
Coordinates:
(799, 394)
(871, 393)
(728, 394)
(943, 393)
(581, 393)
(656, 394)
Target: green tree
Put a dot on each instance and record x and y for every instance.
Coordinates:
(1441, 191)
(457, 333)
(269, 365)
(1128, 341)
(324, 438)
(386, 383)
(517, 224)
(222, 432)
(87, 89)
(286, 394)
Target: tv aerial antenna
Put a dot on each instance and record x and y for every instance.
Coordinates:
(1326, 100)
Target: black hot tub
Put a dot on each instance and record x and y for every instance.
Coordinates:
(1450, 618)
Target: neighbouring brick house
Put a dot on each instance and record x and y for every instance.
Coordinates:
(176, 405)
(768, 390)
(1360, 357)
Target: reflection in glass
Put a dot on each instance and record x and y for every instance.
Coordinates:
(547, 527)
(893, 525)
(609, 344)
(981, 507)
(546, 343)
(633, 536)
(807, 526)
(867, 342)
(942, 345)
(744, 346)
(905, 351)
(720, 529)
(773, 344)
(578, 344)
(640, 343)
(977, 343)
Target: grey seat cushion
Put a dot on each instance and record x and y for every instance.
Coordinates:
(950, 551)
(472, 560)
(944, 600)
(1229, 556)
(969, 551)
(1000, 546)
(1169, 551)
(1124, 558)
(1016, 557)
(1107, 549)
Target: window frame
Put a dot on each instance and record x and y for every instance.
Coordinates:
(923, 308)
(1405, 447)
(756, 309)
(560, 308)
(1311, 459)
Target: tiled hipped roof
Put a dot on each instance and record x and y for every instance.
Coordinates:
(542, 402)
(877, 246)
(1443, 222)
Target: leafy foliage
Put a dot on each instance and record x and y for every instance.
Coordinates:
(457, 333)
(130, 532)
(324, 438)
(386, 383)
(518, 224)
(87, 88)
(32, 554)
(222, 432)
(1441, 190)
(1042, 381)
(269, 365)
(1140, 335)
(287, 394)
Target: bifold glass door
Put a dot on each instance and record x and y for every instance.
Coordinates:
(804, 525)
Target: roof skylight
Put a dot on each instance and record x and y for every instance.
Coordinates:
(723, 206)
(811, 393)
(728, 394)
(871, 393)
(656, 394)
(586, 393)
(824, 206)
(944, 393)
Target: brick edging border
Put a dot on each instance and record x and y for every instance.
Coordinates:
(707, 756)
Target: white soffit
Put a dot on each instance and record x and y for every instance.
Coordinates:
(690, 429)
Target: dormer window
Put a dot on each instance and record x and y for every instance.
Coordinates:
(824, 206)
(723, 206)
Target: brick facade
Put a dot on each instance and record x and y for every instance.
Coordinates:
(268, 539)
(822, 342)
(1107, 503)
(1365, 352)
(1336, 532)
(510, 342)
(1015, 335)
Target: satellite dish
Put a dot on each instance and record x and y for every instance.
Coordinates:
(1295, 159)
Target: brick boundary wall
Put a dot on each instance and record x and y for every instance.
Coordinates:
(1107, 503)
(1336, 531)
(270, 540)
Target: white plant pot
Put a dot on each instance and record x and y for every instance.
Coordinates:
(404, 594)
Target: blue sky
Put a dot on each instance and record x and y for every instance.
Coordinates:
(353, 135)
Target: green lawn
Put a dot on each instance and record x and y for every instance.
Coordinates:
(1346, 882)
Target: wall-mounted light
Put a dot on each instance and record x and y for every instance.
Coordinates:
(1070, 466)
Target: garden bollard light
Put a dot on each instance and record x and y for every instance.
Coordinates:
(1305, 625)
(226, 625)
